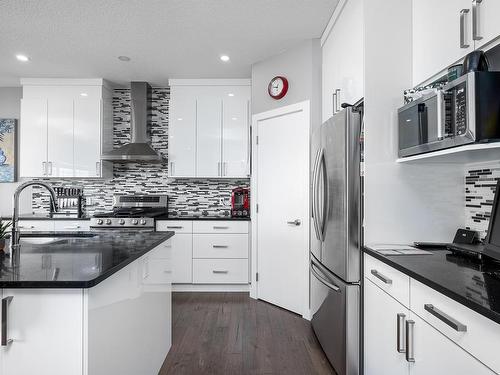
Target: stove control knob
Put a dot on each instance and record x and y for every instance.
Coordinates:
(121, 222)
(143, 222)
(134, 222)
(99, 221)
(108, 221)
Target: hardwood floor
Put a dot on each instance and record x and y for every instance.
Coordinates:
(230, 333)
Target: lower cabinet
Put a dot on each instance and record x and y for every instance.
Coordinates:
(48, 225)
(182, 258)
(220, 271)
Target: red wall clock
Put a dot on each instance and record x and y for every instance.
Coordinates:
(278, 87)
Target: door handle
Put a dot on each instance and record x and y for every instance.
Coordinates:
(5, 307)
(324, 196)
(323, 281)
(410, 350)
(400, 340)
(50, 168)
(220, 227)
(315, 196)
(445, 318)
(44, 168)
(463, 14)
(334, 102)
(296, 222)
(220, 272)
(220, 246)
(337, 101)
(72, 227)
(174, 227)
(381, 277)
(98, 168)
(475, 20)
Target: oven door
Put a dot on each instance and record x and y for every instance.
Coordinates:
(335, 318)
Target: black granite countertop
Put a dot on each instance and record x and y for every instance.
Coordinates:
(61, 260)
(208, 218)
(473, 283)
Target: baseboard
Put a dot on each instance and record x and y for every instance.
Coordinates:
(210, 287)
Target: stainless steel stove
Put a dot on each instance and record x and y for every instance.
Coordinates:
(132, 212)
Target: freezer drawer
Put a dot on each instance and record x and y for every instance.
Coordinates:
(335, 308)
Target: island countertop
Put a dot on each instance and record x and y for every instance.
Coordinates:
(75, 260)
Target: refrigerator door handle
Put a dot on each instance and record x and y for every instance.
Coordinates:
(324, 202)
(315, 196)
(323, 280)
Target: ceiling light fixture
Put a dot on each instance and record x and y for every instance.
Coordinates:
(23, 58)
(224, 58)
(124, 58)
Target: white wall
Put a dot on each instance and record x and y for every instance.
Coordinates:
(10, 107)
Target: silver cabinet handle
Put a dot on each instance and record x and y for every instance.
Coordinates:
(440, 114)
(322, 279)
(463, 13)
(219, 169)
(72, 227)
(296, 222)
(400, 343)
(219, 227)
(410, 350)
(445, 318)
(381, 277)
(44, 168)
(5, 307)
(220, 272)
(220, 246)
(334, 102)
(225, 168)
(26, 227)
(50, 168)
(337, 101)
(174, 227)
(97, 168)
(475, 20)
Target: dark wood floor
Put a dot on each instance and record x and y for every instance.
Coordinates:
(230, 333)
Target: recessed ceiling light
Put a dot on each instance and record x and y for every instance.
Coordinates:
(84, 94)
(124, 58)
(230, 94)
(23, 58)
(224, 58)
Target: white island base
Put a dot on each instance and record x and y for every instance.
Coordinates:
(120, 326)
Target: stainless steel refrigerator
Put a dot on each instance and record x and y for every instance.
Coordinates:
(336, 239)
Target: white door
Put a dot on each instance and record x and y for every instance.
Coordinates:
(436, 354)
(60, 151)
(33, 138)
(434, 51)
(282, 180)
(87, 137)
(45, 326)
(235, 132)
(488, 27)
(208, 137)
(381, 354)
(182, 136)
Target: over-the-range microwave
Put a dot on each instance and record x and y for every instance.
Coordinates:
(466, 110)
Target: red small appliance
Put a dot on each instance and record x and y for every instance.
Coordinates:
(240, 202)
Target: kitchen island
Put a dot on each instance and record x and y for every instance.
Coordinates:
(86, 303)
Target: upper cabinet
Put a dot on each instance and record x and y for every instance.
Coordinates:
(343, 72)
(445, 31)
(209, 128)
(64, 128)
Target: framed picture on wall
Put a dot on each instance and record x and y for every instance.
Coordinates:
(8, 128)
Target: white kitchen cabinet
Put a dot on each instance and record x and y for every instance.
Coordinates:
(33, 138)
(434, 51)
(208, 137)
(65, 128)
(436, 354)
(71, 225)
(45, 326)
(381, 356)
(36, 225)
(182, 258)
(343, 61)
(488, 27)
(182, 137)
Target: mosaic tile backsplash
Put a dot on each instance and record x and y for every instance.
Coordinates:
(480, 183)
(198, 197)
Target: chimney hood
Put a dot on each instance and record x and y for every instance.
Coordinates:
(139, 149)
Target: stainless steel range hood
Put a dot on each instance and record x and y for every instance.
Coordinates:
(139, 149)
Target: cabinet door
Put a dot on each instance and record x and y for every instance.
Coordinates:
(33, 138)
(436, 36)
(45, 326)
(381, 332)
(488, 27)
(87, 137)
(235, 137)
(182, 137)
(208, 137)
(60, 151)
(182, 258)
(436, 354)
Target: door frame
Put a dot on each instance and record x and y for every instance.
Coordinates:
(303, 106)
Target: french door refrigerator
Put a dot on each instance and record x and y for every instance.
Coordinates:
(336, 239)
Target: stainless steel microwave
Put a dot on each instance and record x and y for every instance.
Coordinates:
(467, 110)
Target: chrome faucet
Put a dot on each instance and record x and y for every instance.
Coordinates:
(14, 240)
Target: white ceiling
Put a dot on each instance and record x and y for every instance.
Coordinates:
(164, 38)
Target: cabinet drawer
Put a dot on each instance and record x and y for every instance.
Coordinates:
(225, 226)
(220, 246)
(475, 333)
(393, 282)
(156, 271)
(220, 271)
(71, 225)
(178, 226)
(36, 225)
